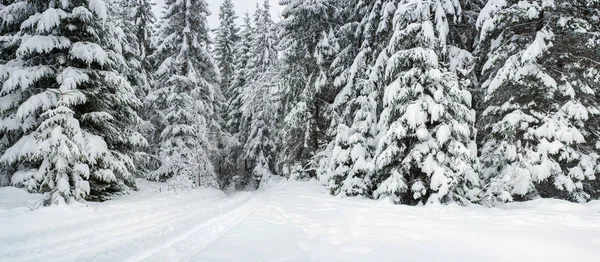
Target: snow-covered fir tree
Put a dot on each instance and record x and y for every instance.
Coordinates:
(540, 67)
(351, 164)
(12, 14)
(304, 96)
(426, 148)
(263, 53)
(238, 79)
(144, 27)
(129, 19)
(133, 34)
(71, 46)
(63, 171)
(233, 108)
(226, 37)
(127, 37)
(224, 50)
(258, 113)
(186, 96)
(144, 21)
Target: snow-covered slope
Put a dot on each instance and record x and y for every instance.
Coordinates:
(292, 221)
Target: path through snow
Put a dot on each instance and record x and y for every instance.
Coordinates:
(293, 221)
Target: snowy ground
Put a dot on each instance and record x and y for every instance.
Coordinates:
(292, 221)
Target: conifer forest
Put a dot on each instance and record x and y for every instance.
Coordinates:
(462, 105)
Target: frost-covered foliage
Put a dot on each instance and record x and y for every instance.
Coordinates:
(404, 128)
(253, 106)
(61, 150)
(425, 152)
(225, 41)
(71, 47)
(259, 112)
(540, 73)
(144, 20)
(418, 101)
(306, 87)
(133, 29)
(258, 103)
(125, 11)
(12, 14)
(186, 97)
(224, 50)
(351, 164)
(262, 54)
(237, 173)
(239, 78)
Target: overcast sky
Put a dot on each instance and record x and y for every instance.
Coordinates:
(241, 6)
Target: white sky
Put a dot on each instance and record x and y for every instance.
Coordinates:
(241, 6)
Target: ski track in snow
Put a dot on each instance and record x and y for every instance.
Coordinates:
(295, 221)
(133, 233)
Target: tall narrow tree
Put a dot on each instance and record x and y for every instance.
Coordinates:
(258, 105)
(233, 109)
(186, 96)
(359, 101)
(144, 21)
(225, 42)
(305, 98)
(12, 14)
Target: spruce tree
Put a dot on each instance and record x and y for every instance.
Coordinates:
(186, 96)
(539, 70)
(127, 26)
(352, 159)
(239, 78)
(224, 52)
(12, 14)
(225, 42)
(234, 116)
(258, 104)
(61, 152)
(69, 46)
(263, 53)
(134, 19)
(259, 111)
(425, 152)
(144, 20)
(304, 96)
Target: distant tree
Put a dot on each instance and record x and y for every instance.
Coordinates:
(225, 41)
(233, 109)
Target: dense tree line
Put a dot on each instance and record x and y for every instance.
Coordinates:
(420, 101)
